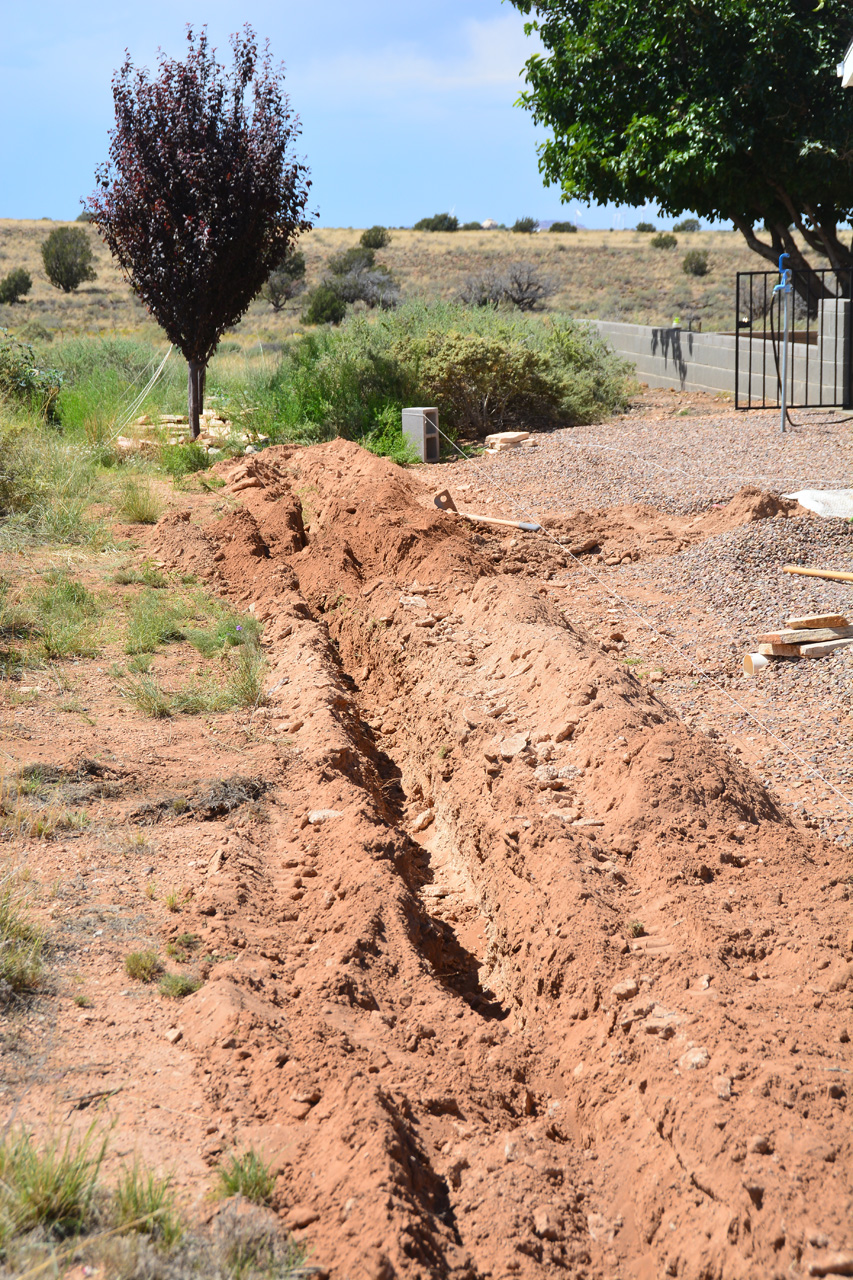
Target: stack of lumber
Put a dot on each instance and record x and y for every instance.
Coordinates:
(810, 636)
(501, 441)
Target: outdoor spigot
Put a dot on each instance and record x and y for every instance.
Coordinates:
(785, 273)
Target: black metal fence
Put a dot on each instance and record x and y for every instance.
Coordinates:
(820, 339)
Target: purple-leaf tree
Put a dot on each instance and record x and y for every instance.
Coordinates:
(201, 197)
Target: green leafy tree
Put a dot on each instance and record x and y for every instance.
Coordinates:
(375, 238)
(439, 222)
(729, 109)
(525, 226)
(67, 256)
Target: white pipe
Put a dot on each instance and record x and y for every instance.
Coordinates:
(753, 662)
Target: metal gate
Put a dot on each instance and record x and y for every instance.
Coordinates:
(820, 340)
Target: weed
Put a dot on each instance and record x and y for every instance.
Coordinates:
(151, 891)
(182, 948)
(147, 575)
(179, 460)
(247, 683)
(21, 944)
(139, 504)
(443, 751)
(135, 841)
(145, 1202)
(153, 621)
(172, 902)
(148, 697)
(636, 929)
(52, 1187)
(247, 1175)
(228, 630)
(64, 615)
(83, 1002)
(174, 986)
(142, 966)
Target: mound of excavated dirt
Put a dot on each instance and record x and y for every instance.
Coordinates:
(533, 980)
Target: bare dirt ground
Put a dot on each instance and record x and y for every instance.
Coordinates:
(512, 964)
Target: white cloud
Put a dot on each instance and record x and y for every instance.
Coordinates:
(491, 56)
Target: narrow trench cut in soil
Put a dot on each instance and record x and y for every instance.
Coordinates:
(531, 979)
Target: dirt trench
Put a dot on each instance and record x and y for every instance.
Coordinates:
(532, 978)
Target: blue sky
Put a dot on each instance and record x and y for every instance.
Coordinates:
(407, 108)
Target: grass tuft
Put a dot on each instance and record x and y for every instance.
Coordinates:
(51, 1187)
(247, 683)
(145, 1202)
(139, 503)
(174, 986)
(153, 621)
(247, 1175)
(21, 945)
(142, 966)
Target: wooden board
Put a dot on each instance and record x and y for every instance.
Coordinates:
(834, 574)
(811, 620)
(780, 650)
(819, 650)
(806, 635)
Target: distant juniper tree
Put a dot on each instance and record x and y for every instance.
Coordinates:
(201, 198)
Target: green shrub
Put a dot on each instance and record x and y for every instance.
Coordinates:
(324, 305)
(562, 226)
(175, 986)
(438, 222)
(386, 438)
(663, 240)
(525, 226)
(22, 382)
(67, 257)
(142, 966)
(179, 460)
(375, 238)
(688, 225)
(471, 226)
(15, 285)
(695, 263)
(645, 227)
(247, 1175)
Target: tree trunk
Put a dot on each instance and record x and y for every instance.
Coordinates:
(195, 395)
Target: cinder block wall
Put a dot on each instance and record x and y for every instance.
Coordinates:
(706, 361)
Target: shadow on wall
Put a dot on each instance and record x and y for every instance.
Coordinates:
(667, 343)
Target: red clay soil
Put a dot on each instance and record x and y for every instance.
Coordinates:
(530, 978)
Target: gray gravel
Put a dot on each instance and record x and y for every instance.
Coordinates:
(714, 598)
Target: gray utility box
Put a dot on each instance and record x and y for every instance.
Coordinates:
(420, 429)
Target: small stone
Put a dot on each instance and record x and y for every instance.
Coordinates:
(666, 755)
(300, 1216)
(625, 990)
(723, 1087)
(423, 820)
(565, 730)
(513, 745)
(547, 1224)
(759, 1145)
(695, 1059)
(174, 1034)
(312, 1096)
(317, 816)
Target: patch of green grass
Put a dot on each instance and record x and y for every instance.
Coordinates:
(226, 630)
(52, 1186)
(140, 663)
(21, 944)
(154, 620)
(138, 503)
(148, 696)
(182, 947)
(247, 682)
(83, 1002)
(142, 966)
(179, 460)
(65, 616)
(147, 575)
(201, 697)
(144, 1201)
(174, 986)
(247, 1175)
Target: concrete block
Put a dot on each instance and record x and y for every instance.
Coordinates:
(420, 429)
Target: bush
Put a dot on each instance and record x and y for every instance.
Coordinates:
(525, 225)
(22, 382)
(179, 460)
(663, 240)
(324, 305)
(15, 285)
(562, 226)
(375, 238)
(645, 226)
(520, 285)
(286, 281)
(350, 260)
(85, 216)
(438, 222)
(695, 263)
(67, 256)
(687, 225)
(142, 966)
(471, 226)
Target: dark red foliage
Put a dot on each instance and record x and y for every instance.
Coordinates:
(201, 197)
